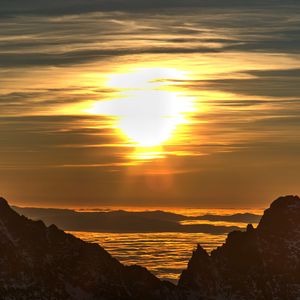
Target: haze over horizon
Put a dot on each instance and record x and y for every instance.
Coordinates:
(162, 104)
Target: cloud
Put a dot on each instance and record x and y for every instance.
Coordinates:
(55, 55)
(44, 33)
(42, 101)
(275, 83)
(57, 141)
(62, 7)
(77, 57)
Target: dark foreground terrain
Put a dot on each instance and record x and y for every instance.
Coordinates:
(39, 262)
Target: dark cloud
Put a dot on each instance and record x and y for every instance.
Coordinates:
(276, 73)
(268, 83)
(77, 57)
(270, 87)
(43, 33)
(35, 100)
(58, 7)
(283, 45)
(46, 141)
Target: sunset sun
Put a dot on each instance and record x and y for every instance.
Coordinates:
(147, 111)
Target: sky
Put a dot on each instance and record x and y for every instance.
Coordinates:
(149, 103)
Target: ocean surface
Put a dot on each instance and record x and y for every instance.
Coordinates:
(165, 254)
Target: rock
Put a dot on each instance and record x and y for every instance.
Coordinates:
(39, 262)
(44, 263)
(261, 263)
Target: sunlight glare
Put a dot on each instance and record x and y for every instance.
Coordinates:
(147, 111)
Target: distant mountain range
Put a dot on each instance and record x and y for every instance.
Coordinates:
(128, 221)
(42, 263)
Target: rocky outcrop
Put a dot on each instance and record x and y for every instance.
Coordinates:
(261, 263)
(39, 262)
(44, 263)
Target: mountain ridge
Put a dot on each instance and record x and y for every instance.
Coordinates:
(132, 221)
(40, 262)
(261, 263)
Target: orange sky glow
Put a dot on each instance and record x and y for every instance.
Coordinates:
(148, 110)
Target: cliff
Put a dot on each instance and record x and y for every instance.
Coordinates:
(44, 263)
(39, 262)
(261, 263)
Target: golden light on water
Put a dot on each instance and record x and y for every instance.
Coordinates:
(149, 110)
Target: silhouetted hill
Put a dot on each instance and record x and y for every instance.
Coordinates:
(39, 262)
(44, 263)
(262, 263)
(128, 221)
(239, 217)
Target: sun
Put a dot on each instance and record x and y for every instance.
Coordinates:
(148, 110)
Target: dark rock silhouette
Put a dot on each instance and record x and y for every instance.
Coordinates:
(128, 221)
(44, 263)
(39, 262)
(261, 263)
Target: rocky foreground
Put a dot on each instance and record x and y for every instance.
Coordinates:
(39, 262)
(261, 263)
(43, 263)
